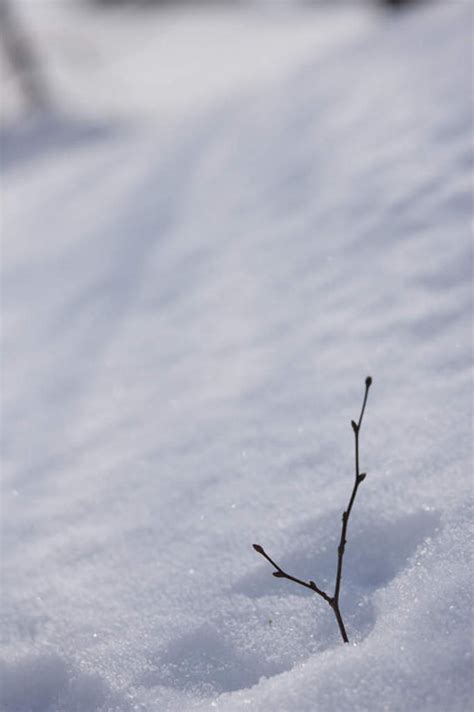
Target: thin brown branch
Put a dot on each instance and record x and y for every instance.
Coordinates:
(333, 601)
(279, 573)
(359, 477)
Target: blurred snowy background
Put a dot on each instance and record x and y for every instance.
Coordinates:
(217, 219)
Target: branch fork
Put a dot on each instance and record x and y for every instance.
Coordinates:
(333, 600)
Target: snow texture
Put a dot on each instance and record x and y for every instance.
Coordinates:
(191, 304)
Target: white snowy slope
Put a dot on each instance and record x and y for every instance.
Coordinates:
(189, 312)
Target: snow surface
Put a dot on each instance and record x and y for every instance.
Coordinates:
(190, 306)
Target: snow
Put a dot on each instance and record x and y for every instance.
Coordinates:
(192, 299)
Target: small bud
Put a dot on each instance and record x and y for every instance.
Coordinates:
(355, 427)
(279, 574)
(258, 548)
(312, 584)
(368, 381)
(362, 476)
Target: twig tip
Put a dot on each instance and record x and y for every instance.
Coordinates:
(368, 381)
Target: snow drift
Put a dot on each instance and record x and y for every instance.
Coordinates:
(189, 311)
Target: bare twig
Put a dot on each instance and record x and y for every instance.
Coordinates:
(23, 59)
(333, 600)
(279, 573)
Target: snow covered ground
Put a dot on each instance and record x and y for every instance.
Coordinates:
(194, 289)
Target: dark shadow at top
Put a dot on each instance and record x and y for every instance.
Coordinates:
(33, 138)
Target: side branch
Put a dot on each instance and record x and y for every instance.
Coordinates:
(279, 573)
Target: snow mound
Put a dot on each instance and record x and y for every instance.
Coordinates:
(47, 683)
